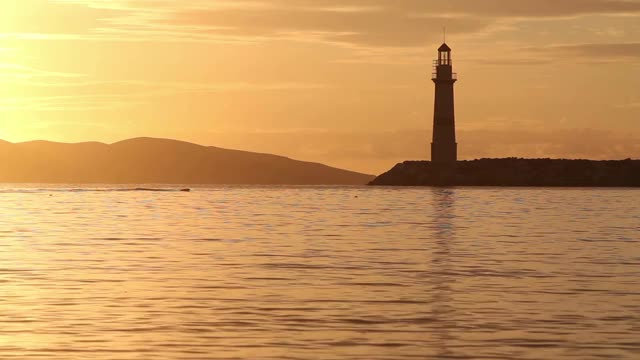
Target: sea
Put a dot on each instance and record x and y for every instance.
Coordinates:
(234, 272)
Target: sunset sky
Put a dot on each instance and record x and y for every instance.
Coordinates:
(344, 82)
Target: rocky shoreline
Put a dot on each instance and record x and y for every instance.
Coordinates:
(515, 172)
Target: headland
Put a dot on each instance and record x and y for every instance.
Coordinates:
(159, 161)
(514, 172)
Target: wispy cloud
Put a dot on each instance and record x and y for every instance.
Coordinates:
(356, 22)
(205, 59)
(70, 92)
(21, 72)
(602, 52)
(377, 151)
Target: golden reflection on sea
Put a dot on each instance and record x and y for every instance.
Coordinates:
(319, 273)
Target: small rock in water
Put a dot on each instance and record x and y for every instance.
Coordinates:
(185, 190)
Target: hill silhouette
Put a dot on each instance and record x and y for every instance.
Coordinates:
(159, 161)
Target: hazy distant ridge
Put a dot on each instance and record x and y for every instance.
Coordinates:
(148, 160)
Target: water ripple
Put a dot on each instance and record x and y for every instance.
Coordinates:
(318, 273)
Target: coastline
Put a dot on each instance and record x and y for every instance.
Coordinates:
(514, 172)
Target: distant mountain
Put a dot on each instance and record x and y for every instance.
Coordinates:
(159, 161)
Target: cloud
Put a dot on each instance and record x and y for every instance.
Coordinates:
(603, 52)
(531, 8)
(16, 71)
(631, 105)
(377, 151)
(357, 23)
(365, 28)
(51, 91)
(382, 22)
(46, 17)
(572, 53)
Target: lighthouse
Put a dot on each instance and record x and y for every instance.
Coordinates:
(444, 149)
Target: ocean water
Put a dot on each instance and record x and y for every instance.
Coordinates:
(319, 273)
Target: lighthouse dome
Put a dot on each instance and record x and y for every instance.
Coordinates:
(444, 48)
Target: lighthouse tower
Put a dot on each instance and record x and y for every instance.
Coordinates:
(444, 148)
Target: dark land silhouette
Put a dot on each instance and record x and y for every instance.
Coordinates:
(514, 172)
(159, 161)
(445, 170)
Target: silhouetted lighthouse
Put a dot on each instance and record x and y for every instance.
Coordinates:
(444, 148)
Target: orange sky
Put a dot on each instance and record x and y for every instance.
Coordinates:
(345, 82)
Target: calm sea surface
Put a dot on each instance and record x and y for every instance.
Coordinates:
(319, 273)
